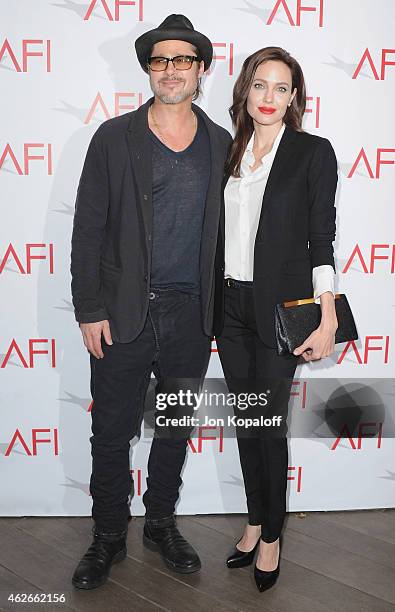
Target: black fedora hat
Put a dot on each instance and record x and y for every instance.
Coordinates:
(174, 27)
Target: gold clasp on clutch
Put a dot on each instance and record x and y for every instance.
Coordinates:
(305, 301)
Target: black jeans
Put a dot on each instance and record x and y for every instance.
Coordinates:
(172, 345)
(251, 366)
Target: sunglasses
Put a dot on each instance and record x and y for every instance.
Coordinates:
(180, 62)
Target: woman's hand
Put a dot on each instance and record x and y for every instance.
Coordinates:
(321, 342)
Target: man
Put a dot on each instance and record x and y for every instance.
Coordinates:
(143, 280)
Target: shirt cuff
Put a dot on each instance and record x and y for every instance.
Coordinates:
(323, 280)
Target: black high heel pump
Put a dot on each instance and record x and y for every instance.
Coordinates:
(238, 558)
(265, 580)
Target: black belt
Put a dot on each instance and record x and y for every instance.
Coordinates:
(237, 284)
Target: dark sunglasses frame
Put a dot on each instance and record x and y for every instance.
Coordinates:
(192, 58)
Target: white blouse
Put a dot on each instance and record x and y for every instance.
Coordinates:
(243, 203)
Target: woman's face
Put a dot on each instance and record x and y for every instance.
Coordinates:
(270, 93)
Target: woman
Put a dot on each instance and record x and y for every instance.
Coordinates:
(279, 228)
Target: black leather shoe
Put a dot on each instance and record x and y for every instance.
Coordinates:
(94, 567)
(265, 580)
(239, 558)
(161, 535)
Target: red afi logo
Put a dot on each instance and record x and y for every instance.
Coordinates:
(345, 432)
(98, 103)
(29, 49)
(367, 60)
(137, 480)
(297, 477)
(301, 391)
(28, 257)
(201, 436)
(368, 263)
(374, 168)
(35, 441)
(367, 349)
(116, 6)
(29, 362)
(283, 5)
(27, 157)
(226, 55)
(314, 109)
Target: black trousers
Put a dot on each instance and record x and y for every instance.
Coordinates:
(251, 366)
(173, 346)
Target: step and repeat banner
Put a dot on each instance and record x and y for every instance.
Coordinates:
(67, 66)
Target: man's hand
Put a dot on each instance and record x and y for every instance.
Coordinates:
(91, 333)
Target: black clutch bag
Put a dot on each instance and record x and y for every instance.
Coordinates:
(295, 321)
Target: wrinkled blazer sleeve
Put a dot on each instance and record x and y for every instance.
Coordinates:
(322, 183)
(88, 230)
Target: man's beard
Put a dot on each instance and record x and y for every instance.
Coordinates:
(173, 98)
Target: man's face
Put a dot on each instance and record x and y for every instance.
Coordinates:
(174, 86)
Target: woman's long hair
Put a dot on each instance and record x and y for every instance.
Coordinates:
(242, 122)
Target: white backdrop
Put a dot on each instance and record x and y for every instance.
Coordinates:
(65, 67)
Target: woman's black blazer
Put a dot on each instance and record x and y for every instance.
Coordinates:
(296, 228)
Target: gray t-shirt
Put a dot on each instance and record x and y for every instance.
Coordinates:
(180, 182)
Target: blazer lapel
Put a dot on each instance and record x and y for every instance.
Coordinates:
(213, 197)
(225, 179)
(139, 147)
(217, 156)
(279, 165)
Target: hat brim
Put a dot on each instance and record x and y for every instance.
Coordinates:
(145, 42)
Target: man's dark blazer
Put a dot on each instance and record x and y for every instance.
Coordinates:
(296, 228)
(112, 231)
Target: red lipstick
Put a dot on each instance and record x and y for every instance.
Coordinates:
(266, 110)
